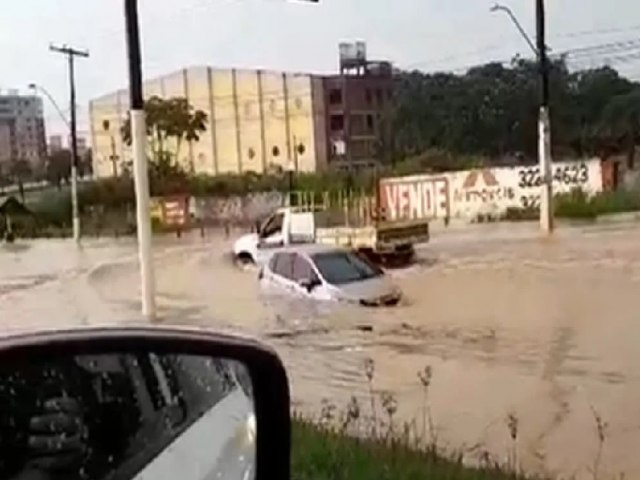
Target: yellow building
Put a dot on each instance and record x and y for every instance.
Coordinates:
(256, 119)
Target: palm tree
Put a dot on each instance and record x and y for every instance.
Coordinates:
(173, 119)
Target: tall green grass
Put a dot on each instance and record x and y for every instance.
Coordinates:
(366, 441)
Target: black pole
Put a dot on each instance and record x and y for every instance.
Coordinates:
(73, 121)
(290, 175)
(134, 55)
(543, 63)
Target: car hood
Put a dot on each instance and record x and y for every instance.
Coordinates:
(246, 243)
(369, 290)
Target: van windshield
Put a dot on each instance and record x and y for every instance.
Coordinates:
(339, 268)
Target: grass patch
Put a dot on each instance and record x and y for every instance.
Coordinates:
(577, 205)
(323, 453)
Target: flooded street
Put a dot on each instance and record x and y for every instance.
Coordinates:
(547, 331)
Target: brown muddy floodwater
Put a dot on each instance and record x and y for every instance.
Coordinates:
(548, 331)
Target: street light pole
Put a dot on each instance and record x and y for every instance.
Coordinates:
(544, 127)
(40, 88)
(140, 170)
(544, 122)
(502, 8)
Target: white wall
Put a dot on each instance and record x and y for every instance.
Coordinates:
(467, 194)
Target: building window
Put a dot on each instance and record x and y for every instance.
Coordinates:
(298, 103)
(368, 96)
(370, 123)
(379, 98)
(335, 96)
(275, 151)
(251, 153)
(336, 123)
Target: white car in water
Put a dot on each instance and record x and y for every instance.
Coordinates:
(328, 273)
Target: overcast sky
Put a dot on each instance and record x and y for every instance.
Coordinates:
(285, 35)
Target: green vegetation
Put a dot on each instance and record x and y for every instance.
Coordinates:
(577, 205)
(321, 453)
(491, 111)
(368, 443)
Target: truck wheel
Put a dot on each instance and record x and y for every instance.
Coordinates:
(244, 260)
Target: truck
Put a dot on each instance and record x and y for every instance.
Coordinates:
(346, 220)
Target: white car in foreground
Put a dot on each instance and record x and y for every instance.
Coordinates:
(328, 273)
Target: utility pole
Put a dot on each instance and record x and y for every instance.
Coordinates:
(71, 53)
(140, 170)
(544, 126)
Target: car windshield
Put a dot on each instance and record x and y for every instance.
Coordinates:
(339, 268)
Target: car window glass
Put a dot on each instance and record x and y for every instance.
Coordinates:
(284, 265)
(132, 406)
(272, 226)
(302, 269)
(344, 267)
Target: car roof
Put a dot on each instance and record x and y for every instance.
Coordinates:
(311, 248)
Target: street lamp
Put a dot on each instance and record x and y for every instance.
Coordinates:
(75, 220)
(544, 122)
(38, 88)
(502, 8)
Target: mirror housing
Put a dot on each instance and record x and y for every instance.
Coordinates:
(268, 383)
(309, 284)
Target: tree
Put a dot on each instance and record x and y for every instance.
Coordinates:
(170, 122)
(85, 168)
(58, 167)
(20, 171)
(492, 111)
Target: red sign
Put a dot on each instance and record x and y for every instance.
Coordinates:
(414, 198)
(175, 211)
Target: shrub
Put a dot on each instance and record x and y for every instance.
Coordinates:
(576, 204)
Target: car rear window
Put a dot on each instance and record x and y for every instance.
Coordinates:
(339, 268)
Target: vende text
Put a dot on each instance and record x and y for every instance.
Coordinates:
(415, 199)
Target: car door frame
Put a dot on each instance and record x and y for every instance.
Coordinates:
(275, 240)
(299, 289)
(281, 281)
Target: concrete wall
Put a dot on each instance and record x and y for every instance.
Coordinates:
(255, 117)
(490, 192)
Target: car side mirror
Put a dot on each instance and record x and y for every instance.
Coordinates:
(164, 393)
(309, 284)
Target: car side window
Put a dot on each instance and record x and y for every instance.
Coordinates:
(284, 265)
(272, 226)
(302, 269)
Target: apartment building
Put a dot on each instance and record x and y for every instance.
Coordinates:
(22, 133)
(358, 106)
